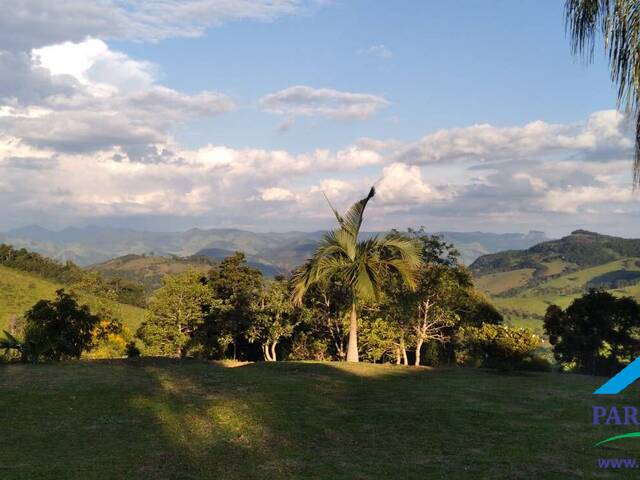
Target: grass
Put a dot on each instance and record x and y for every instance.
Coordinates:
(169, 419)
(19, 291)
(526, 308)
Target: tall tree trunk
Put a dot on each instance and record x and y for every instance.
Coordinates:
(352, 348)
(398, 357)
(273, 352)
(418, 348)
(403, 350)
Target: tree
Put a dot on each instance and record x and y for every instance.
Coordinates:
(58, 329)
(361, 265)
(596, 334)
(429, 311)
(274, 319)
(328, 304)
(175, 313)
(498, 346)
(618, 21)
(237, 285)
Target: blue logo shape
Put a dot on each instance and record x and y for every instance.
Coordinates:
(622, 380)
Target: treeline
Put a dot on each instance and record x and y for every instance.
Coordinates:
(402, 298)
(72, 276)
(233, 312)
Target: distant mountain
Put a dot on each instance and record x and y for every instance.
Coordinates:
(580, 249)
(271, 252)
(523, 283)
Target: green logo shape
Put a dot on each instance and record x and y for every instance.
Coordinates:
(618, 437)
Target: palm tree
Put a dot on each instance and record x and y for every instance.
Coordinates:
(619, 23)
(360, 265)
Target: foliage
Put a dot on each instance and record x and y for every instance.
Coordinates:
(498, 346)
(618, 22)
(596, 334)
(176, 312)
(70, 274)
(360, 265)
(237, 285)
(58, 329)
(308, 347)
(132, 350)
(275, 317)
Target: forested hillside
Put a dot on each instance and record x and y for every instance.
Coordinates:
(523, 283)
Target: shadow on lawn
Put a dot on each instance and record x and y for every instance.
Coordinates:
(285, 420)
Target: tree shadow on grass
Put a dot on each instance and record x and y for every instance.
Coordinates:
(180, 419)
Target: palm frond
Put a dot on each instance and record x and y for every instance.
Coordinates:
(618, 21)
(352, 220)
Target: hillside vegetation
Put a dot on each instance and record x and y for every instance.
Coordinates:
(19, 291)
(522, 284)
(167, 419)
(150, 269)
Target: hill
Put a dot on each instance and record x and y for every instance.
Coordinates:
(522, 284)
(19, 291)
(149, 269)
(271, 252)
(148, 418)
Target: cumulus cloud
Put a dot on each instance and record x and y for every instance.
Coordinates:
(403, 184)
(604, 135)
(109, 100)
(306, 101)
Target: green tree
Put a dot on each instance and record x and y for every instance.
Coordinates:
(361, 265)
(175, 313)
(275, 317)
(498, 346)
(238, 285)
(618, 22)
(430, 311)
(596, 334)
(58, 329)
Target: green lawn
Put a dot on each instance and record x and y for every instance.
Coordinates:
(168, 419)
(20, 290)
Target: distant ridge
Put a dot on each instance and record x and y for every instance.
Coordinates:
(272, 251)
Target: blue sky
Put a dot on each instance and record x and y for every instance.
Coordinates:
(466, 115)
(452, 64)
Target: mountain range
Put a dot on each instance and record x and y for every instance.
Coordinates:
(271, 252)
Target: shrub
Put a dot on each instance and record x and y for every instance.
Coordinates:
(497, 346)
(132, 350)
(305, 347)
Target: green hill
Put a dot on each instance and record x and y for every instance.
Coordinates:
(149, 269)
(167, 419)
(20, 290)
(523, 283)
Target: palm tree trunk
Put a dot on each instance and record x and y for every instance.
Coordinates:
(352, 349)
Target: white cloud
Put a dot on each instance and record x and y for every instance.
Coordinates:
(36, 23)
(403, 185)
(306, 101)
(109, 100)
(276, 194)
(603, 133)
(380, 51)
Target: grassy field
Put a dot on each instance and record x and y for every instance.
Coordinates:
(167, 419)
(20, 290)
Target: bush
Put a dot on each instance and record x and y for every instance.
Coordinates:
(497, 346)
(536, 364)
(132, 350)
(305, 347)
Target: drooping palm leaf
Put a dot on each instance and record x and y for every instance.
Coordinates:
(618, 21)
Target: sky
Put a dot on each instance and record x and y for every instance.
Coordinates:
(167, 115)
